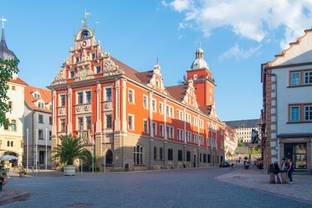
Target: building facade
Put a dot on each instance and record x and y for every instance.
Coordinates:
(37, 128)
(287, 108)
(11, 136)
(129, 119)
(244, 128)
(230, 143)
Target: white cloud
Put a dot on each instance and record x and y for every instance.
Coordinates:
(239, 53)
(254, 19)
(181, 5)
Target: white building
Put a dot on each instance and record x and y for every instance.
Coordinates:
(287, 114)
(11, 136)
(37, 127)
(230, 143)
(243, 128)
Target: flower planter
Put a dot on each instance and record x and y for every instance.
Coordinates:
(69, 170)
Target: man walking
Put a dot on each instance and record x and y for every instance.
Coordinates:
(290, 170)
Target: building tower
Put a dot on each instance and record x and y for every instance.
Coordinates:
(203, 79)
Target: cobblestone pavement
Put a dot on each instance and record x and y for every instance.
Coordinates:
(172, 188)
(258, 179)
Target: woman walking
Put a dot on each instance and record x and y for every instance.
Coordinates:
(290, 170)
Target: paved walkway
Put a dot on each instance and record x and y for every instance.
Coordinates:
(168, 189)
(301, 189)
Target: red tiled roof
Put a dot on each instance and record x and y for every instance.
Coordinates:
(19, 81)
(177, 91)
(30, 100)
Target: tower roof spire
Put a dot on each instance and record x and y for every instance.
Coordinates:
(85, 18)
(199, 62)
(5, 53)
(3, 20)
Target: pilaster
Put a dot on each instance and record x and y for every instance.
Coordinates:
(98, 108)
(69, 110)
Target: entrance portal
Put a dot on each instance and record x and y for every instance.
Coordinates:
(109, 158)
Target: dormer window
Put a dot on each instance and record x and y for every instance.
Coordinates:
(85, 34)
(98, 69)
(71, 74)
(157, 83)
(36, 95)
(40, 105)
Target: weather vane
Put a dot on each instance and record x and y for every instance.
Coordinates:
(84, 20)
(2, 21)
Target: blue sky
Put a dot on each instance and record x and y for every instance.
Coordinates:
(236, 36)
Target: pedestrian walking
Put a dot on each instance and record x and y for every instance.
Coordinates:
(290, 170)
(276, 173)
(284, 168)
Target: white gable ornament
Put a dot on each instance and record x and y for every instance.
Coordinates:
(190, 96)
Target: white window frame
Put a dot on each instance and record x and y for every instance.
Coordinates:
(104, 92)
(154, 107)
(161, 131)
(307, 74)
(133, 122)
(309, 112)
(145, 105)
(154, 132)
(147, 129)
(161, 107)
(133, 96)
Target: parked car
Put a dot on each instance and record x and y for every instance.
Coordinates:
(225, 164)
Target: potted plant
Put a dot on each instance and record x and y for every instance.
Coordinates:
(68, 151)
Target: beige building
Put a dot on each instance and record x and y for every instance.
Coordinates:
(11, 136)
(243, 128)
(230, 143)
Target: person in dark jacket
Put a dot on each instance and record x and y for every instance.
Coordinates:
(290, 170)
(276, 172)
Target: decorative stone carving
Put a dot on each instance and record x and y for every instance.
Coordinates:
(107, 106)
(61, 111)
(156, 81)
(86, 108)
(190, 96)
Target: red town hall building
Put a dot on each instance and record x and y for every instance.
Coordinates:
(129, 118)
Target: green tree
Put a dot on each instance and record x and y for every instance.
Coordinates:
(70, 149)
(7, 69)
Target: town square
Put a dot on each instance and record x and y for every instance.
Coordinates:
(172, 103)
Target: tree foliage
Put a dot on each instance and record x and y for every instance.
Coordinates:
(7, 69)
(70, 149)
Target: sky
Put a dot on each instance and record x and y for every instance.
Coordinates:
(237, 37)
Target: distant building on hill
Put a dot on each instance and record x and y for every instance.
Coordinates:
(244, 128)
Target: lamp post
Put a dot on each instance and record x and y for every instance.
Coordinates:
(36, 151)
(27, 143)
(46, 150)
